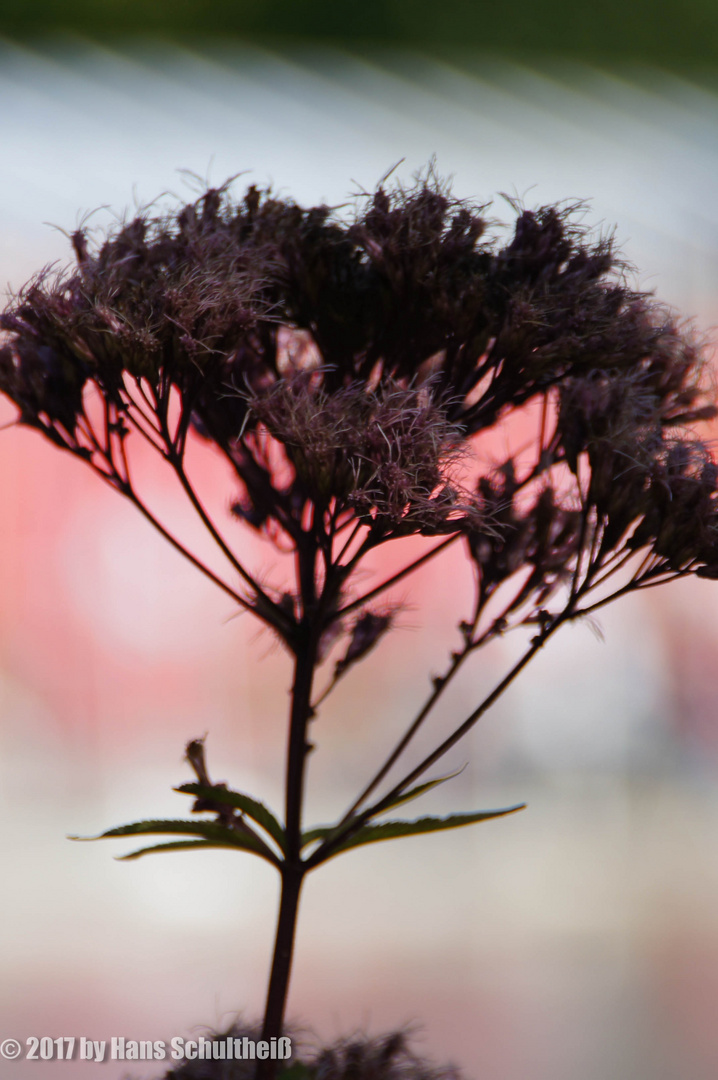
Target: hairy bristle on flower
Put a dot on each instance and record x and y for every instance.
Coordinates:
(342, 365)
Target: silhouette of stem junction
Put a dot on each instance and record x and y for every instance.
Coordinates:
(350, 371)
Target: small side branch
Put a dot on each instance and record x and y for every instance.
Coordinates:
(399, 576)
(271, 612)
(354, 824)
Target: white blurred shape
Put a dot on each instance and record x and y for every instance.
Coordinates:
(589, 704)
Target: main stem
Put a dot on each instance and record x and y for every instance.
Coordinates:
(293, 868)
(281, 962)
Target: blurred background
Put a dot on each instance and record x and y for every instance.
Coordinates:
(578, 939)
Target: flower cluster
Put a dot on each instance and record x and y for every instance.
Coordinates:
(385, 453)
(343, 364)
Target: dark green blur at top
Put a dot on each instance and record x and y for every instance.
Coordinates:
(673, 33)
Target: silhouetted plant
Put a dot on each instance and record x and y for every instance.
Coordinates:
(347, 368)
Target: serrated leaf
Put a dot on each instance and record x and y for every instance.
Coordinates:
(420, 789)
(218, 835)
(174, 845)
(391, 830)
(254, 809)
(322, 831)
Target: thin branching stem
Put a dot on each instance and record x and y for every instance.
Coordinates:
(237, 597)
(440, 685)
(137, 417)
(471, 645)
(638, 585)
(279, 620)
(399, 576)
(616, 561)
(358, 526)
(354, 824)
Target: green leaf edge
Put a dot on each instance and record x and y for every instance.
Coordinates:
(415, 792)
(174, 845)
(391, 830)
(322, 831)
(218, 835)
(254, 809)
